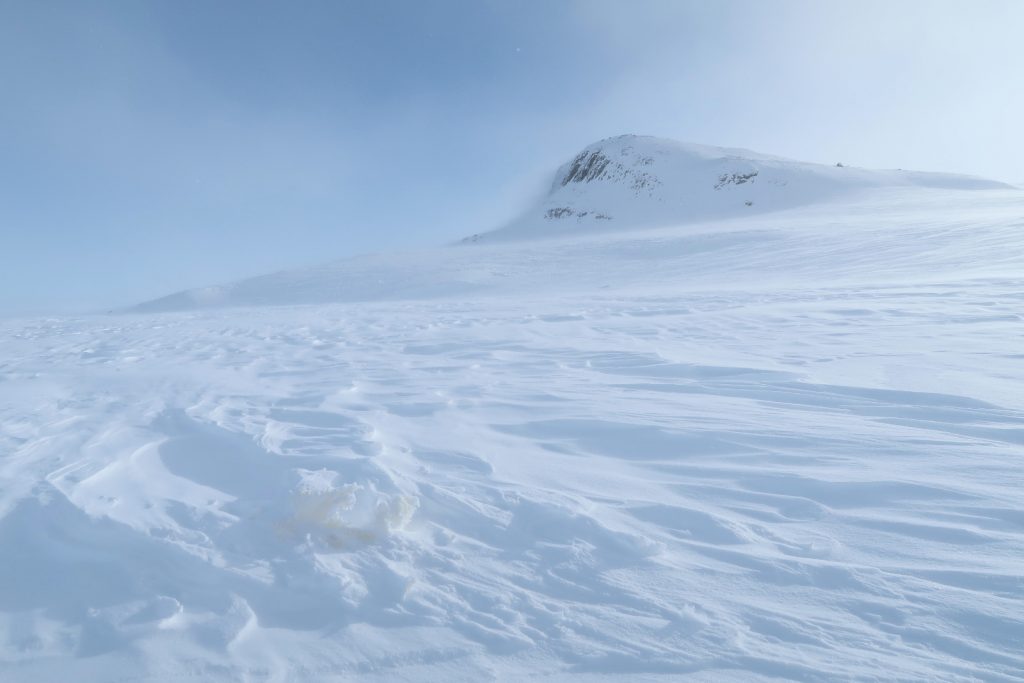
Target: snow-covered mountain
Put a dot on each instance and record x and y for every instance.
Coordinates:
(749, 446)
(626, 208)
(635, 181)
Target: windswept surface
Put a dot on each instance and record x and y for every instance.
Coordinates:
(790, 447)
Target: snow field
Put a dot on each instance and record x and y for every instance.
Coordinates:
(787, 445)
(790, 484)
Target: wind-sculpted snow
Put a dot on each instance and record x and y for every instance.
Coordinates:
(779, 447)
(815, 483)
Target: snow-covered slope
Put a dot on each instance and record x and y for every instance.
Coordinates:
(611, 196)
(632, 181)
(785, 446)
(890, 233)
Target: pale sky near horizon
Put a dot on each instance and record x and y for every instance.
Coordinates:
(147, 147)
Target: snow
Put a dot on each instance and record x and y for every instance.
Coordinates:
(635, 181)
(596, 220)
(780, 445)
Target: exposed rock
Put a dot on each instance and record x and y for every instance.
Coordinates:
(735, 179)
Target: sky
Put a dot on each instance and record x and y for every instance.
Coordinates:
(148, 147)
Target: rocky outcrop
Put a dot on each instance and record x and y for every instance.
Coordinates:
(594, 164)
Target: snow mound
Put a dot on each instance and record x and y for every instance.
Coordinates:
(342, 515)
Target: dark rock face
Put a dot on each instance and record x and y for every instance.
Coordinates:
(586, 167)
(596, 165)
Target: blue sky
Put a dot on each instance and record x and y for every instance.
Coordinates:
(147, 147)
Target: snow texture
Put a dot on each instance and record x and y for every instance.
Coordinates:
(786, 445)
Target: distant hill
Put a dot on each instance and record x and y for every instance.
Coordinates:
(728, 207)
(635, 181)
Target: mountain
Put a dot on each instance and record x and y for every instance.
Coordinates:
(746, 447)
(634, 181)
(602, 205)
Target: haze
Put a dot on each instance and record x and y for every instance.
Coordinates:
(147, 147)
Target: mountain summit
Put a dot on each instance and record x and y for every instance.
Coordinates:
(642, 181)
